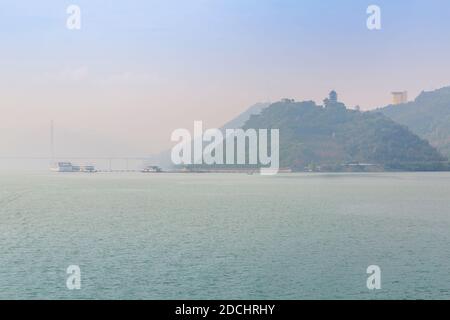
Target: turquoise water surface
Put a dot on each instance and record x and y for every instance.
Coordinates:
(225, 236)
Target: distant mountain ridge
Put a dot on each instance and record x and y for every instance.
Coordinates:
(428, 116)
(241, 119)
(164, 158)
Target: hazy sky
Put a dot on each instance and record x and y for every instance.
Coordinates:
(139, 69)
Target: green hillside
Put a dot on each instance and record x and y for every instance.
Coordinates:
(428, 116)
(331, 136)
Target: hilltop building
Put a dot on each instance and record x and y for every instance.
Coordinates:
(399, 97)
(332, 101)
(333, 97)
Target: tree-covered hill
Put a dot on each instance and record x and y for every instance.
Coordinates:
(331, 136)
(427, 116)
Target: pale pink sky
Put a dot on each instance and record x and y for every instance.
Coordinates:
(135, 72)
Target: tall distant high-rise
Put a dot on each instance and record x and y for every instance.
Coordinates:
(52, 141)
(399, 97)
